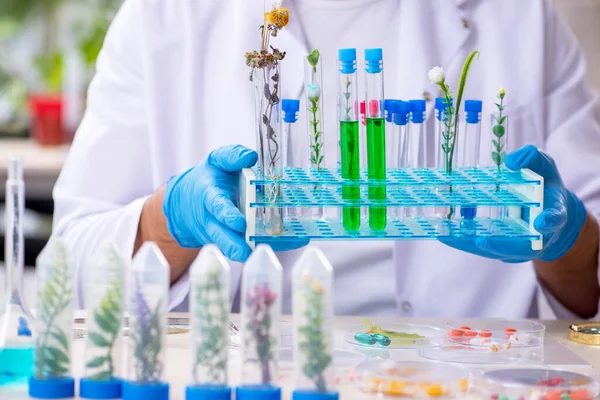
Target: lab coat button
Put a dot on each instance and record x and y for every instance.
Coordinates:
(406, 307)
(466, 24)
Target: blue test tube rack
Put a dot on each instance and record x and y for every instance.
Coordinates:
(522, 192)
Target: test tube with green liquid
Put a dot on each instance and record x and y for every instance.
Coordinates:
(349, 136)
(376, 167)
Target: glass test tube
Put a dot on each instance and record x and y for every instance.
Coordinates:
(447, 156)
(388, 107)
(312, 280)
(499, 147)
(376, 157)
(440, 118)
(290, 108)
(399, 146)
(147, 304)
(349, 135)
(260, 325)
(416, 145)
(54, 324)
(313, 77)
(209, 327)
(105, 303)
(468, 149)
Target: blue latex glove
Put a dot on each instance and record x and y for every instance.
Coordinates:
(559, 223)
(199, 208)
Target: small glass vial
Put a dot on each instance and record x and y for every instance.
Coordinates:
(312, 281)
(260, 325)
(290, 108)
(147, 305)
(54, 325)
(388, 108)
(468, 149)
(441, 116)
(105, 302)
(209, 330)
(416, 145)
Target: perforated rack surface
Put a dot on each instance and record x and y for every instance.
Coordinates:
(518, 193)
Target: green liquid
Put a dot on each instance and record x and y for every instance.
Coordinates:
(350, 170)
(16, 365)
(376, 170)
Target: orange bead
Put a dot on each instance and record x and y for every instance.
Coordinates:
(554, 395)
(465, 328)
(510, 330)
(580, 395)
(456, 332)
(470, 333)
(434, 390)
(485, 334)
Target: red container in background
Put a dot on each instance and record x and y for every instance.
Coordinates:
(46, 119)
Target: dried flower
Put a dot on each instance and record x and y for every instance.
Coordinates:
(437, 75)
(314, 92)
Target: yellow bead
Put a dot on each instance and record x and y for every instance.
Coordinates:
(434, 391)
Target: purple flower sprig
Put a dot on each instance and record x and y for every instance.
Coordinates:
(259, 300)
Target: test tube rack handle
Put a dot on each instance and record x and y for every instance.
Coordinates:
(520, 192)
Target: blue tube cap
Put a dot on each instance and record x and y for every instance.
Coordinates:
(347, 59)
(388, 106)
(418, 108)
(373, 60)
(91, 389)
(314, 395)
(208, 392)
(473, 109)
(257, 392)
(290, 108)
(401, 111)
(63, 388)
(137, 391)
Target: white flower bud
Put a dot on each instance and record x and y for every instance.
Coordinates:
(436, 75)
(314, 92)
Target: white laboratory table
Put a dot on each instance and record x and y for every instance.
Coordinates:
(559, 352)
(42, 165)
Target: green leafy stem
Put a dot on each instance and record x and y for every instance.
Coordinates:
(211, 309)
(317, 145)
(313, 343)
(54, 361)
(108, 317)
(499, 132)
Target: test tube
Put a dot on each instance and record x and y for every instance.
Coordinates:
(260, 325)
(499, 146)
(349, 135)
(441, 116)
(147, 305)
(16, 341)
(209, 327)
(468, 149)
(290, 108)
(312, 280)
(376, 157)
(416, 144)
(51, 377)
(400, 147)
(313, 76)
(105, 302)
(447, 157)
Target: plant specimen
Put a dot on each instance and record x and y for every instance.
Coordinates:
(314, 118)
(52, 350)
(108, 318)
(146, 334)
(211, 306)
(450, 116)
(259, 301)
(499, 131)
(313, 342)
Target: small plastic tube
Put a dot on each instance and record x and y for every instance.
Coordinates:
(440, 115)
(312, 280)
(401, 111)
(376, 151)
(290, 108)
(468, 149)
(260, 326)
(209, 330)
(105, 302)
(416, 145)
(147, 305)
(51, 377)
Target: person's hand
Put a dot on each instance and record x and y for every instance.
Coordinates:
(199, 208)
(559, 223)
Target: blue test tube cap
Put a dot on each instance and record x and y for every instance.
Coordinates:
(257, 392)
(388, 106)
(138, 391)
(290, 109)
(401, 111)
(208, 392)
(63, 388)
(314, 395)
(373, 60)
(440, 106)
(92, 389)
(347, 59)
(473, 109)
(418, 108)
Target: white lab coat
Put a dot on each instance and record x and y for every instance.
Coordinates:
(172, 86)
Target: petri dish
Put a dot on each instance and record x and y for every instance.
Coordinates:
(484, 333)
(415, 336)
(415, 379)
(467, 354)
(538, 384)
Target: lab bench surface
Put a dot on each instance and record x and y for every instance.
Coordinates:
(559, 353)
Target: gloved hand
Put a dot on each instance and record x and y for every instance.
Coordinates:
(199, 208)
(559, 223)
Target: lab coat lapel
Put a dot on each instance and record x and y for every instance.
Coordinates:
(290, 40)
